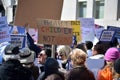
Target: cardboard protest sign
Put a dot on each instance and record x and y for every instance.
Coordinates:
(28, 11)
(107, 35)
(76, 30)
(55, 32)
(19, 40)
(4, 30)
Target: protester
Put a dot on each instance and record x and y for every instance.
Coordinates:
(27, 58)
(116, 70)
(104, 45)
(96, 59)
(98, 52)
(114, 42)
(11, 68)
(42, 57)
(63, 54)
(79, 71)
(111, 55)
(82, 46)
(51, 68)
(89, 45)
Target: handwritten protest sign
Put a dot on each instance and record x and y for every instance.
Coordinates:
(87, 28)
(76, 30)
(55, 32)
(4, 30)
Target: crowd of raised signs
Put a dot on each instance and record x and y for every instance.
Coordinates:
(81, 61)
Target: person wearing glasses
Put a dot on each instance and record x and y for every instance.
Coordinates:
(42, 57)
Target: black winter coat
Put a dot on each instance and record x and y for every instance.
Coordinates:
(13, 70)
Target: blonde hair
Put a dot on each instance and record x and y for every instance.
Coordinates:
(63, 50)
(115, 74)
(78, 57)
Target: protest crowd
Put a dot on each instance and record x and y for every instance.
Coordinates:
(82, 61)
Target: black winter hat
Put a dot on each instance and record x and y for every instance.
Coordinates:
(51, 66)
(117, 66)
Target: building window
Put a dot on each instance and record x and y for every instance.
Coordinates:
(118, 10)
(2, 10)
(14, 10)
(99, 9)
(82, 9)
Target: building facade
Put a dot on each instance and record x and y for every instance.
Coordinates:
(7, 8)
(105, 12)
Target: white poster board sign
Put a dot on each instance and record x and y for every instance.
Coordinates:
(18, 40)
(34, 34)
(87, 28)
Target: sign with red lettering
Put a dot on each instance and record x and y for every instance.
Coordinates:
(4, 30)
(55, 32)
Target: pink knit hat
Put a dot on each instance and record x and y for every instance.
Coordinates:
(112, 54)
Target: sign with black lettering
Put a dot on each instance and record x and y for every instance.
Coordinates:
(77, 30)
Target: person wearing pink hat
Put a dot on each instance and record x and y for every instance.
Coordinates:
(111, 55)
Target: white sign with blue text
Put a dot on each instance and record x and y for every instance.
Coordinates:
(18, 40)
(107, 35)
